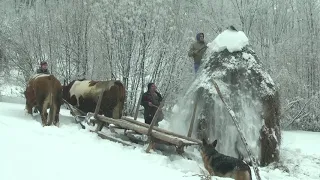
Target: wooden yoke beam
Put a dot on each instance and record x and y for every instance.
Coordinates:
(153, 122)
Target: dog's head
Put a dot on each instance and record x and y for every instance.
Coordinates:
(209, 148)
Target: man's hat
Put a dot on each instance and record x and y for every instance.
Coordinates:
(43, 63)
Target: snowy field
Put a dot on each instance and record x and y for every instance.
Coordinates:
(30, 151)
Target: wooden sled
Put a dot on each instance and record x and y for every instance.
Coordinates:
(155, 135)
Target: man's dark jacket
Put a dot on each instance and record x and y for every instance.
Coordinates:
(149, 111)
(39, 71)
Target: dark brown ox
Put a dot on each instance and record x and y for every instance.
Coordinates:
(44, 91)
(84, 95)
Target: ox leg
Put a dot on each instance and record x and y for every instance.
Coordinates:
(44, 114)
(35, 109)
(44, 117)
(51, 115)
(28, 108)
(56, 116)
(30, 100)
(56, 120)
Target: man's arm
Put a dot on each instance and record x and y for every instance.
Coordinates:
(145, 100)
(191, 51)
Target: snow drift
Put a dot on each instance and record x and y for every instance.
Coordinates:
(249, 91)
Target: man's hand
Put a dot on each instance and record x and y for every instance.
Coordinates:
(152, 105)
(197, 51)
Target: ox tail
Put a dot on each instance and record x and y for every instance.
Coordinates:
(52, 111)
(122, 91)
(121, 97)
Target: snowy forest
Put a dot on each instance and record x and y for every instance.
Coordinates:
(139, 41)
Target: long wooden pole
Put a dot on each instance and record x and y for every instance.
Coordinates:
(236, 123)
(153, 122)
(155, 118)
(161, 130)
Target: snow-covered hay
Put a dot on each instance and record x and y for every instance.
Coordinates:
(249, 91)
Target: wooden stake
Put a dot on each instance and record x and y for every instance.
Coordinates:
(192, 119)
(199, 92)
(138, 105)
(96, 112)
(155, 118)
(150, 146)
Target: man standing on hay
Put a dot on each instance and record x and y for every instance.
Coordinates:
(151, 101)
(197, 50)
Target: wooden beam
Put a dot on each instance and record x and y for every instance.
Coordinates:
(170, 139)
(161, 130)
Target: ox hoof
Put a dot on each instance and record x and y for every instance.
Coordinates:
(35, 110)
(26, 112)
(44, 124)
(56, 124)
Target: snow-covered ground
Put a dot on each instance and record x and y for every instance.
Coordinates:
(30, 151)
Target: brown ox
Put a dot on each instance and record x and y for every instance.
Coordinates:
(44, 91)
(84, 95)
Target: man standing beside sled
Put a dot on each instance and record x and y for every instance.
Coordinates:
(151, 101)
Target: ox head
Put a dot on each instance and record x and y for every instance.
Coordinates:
(65, 89)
